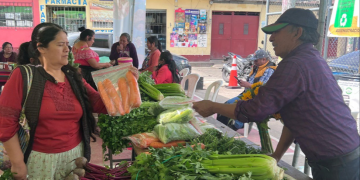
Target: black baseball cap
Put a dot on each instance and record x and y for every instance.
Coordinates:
(296, 16)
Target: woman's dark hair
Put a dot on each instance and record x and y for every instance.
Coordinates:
(26, 50)
(44, 36)
(309, 35)
(127, 36)
(25, 54)
(154, 39)
(86, 34)
(168, 58)
(5, 44)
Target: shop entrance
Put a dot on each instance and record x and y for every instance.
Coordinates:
(156, 25)
(70, 18)
(235, 32)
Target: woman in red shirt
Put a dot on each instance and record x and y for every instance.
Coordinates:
(166, 71)
(64, 122)
(86, 57)
(152, 60)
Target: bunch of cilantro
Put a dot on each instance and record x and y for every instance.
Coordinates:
(115, 128)
(223, 144)
(181, 163)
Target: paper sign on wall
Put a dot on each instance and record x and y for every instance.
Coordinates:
(202, 40)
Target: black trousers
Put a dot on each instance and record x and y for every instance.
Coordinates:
(345, 167)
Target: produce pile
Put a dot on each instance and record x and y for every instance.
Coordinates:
(180, 146)
(86, 171)
(186, 162)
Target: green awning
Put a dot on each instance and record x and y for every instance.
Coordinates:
(71, 14)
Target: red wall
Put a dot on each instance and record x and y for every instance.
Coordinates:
(18, 35)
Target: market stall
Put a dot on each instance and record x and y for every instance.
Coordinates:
(168, 139)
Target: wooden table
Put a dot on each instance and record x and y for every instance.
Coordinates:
(291, 171)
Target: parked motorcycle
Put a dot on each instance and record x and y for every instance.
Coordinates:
(244, 66)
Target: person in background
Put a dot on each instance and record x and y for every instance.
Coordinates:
(152, 60)
(7, 54)
(262, 70)
(86, 57)
(166, 71)
(305, 92)
(129, 50)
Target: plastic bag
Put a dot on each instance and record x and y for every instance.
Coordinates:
(201, 125)
(155, 109)
(143, 140)
(175, 102)
(114, 85)
(178, 115)
(174, 131)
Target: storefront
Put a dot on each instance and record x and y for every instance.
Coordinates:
(201, 31)
(72, 14)
(17, 20)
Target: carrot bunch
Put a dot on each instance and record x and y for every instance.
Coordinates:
(120, 100)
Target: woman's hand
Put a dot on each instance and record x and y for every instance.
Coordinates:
(19, 170)
(112, 62)
(134, 71)
(106, 65)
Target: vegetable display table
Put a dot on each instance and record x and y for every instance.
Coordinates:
(291, 171)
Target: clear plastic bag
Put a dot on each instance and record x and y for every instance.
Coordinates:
(174, 131)
(143, 140)
(156, 109)
(175, 102)
(114, 85)
(201, 125)
(178, 115)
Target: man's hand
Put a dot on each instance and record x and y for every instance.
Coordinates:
(275, 156)
(245, 84)
(19, 170)
(204, 108)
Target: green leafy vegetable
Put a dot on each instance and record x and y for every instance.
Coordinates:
(7, 175)
(174, 131)
(114, 129)
(178, 115)
(146, 77)
(216, 141)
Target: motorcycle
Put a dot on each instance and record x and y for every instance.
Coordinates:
(244, 66)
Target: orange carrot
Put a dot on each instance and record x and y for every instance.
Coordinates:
(135, 100)
(106, 99)
(124, 91)
(201, 144)
(114, 96)
(168, 145)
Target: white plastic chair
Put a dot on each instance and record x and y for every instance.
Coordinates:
(184, 72)
(216, 86)
(193, 80)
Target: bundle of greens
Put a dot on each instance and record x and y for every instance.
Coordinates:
(174, 131)
(216, 141)
(170, 89)
(180, 163)
(115, 128)
(178, 115)
(147, 91)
